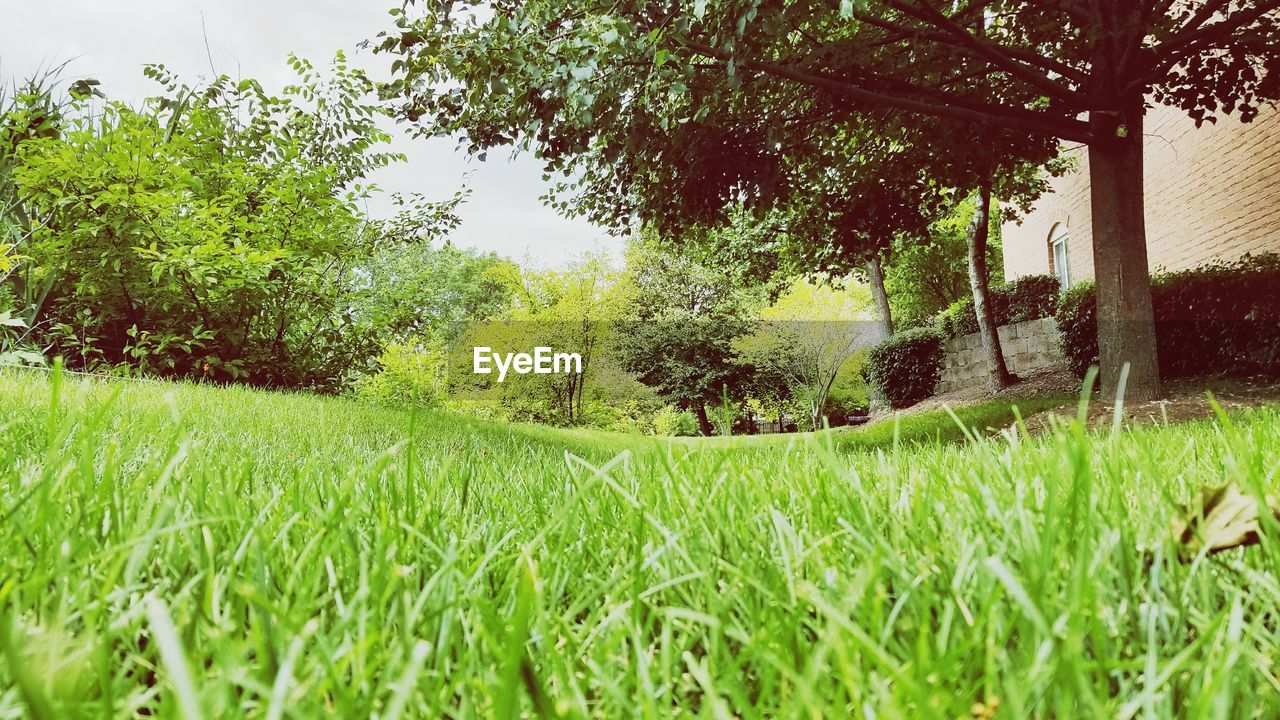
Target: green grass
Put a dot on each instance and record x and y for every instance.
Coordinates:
(933, 426)
(226, 553)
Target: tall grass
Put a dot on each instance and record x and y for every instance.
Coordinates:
(183, 551)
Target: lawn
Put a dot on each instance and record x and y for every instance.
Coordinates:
(182, 550)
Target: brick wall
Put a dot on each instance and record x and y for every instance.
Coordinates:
(1027, 346)
(1212, 192)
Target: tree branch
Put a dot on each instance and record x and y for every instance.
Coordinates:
(1212, 33)
(1202, 16)
(948, 105)
(1020, 54)
(1182, 45)
(992, 53)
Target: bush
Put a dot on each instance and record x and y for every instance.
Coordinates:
(905, 368)
(1222, 318)
(1027, 298)
(672, 421)
(1077, 318)
(411, 373)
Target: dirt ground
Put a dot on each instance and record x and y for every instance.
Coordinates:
(1183, 400)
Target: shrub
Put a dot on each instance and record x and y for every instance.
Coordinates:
(905, 368)
(1027, 298)
(1077, 318)
(957, 320)
(1222, 318)
(672, 421)
(411, 373)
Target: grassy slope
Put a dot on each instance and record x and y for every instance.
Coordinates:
(313, 561)
(925, 427)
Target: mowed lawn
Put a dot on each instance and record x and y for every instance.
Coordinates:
(188, 551)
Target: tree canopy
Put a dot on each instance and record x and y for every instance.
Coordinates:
(628, 100)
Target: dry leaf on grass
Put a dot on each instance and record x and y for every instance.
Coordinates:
(1227, 518)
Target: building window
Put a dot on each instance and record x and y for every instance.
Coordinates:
(1059, 264)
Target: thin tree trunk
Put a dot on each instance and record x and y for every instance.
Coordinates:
(875, 275)
(1126, 323)
(979, 231)
(704, 422)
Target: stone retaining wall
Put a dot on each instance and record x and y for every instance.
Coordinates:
(1027, 346)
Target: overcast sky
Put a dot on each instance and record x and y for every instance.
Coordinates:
(110, 40)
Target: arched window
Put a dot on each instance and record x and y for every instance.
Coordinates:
(1059, 262)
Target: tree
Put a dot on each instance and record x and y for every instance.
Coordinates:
(414, 288)
(811, 335)
(851, 196)
(571, 311)
(979, 230)
(29, 110)
(574, 78)
(678, 332)
(211, 232)
(925, 278)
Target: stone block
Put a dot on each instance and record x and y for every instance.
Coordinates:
(1036, 344)
(1035, 361)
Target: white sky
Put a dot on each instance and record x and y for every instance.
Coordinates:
(110, 40)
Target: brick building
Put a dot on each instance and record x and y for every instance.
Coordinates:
(1211, 192)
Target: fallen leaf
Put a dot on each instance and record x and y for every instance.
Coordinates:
(1227, 518)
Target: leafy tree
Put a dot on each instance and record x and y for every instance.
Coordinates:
(212, 232)
(926, 278)
(571, 311)
(838, 185)
(406, 290)
(28, 110)
(618, 91)
(853, 195)
(678, 332)
(413, 372)
(812, 336)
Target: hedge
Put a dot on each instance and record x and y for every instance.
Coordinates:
(1221, 318)
(905, 368)
(1027, 298)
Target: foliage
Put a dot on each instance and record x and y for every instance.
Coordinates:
(925, 278)
(287, 535)
(677, 334)
(1028, 298)
(671, 421)
(850, 394)
(605, 81)
(1077, 318)
(410, 373)
(28, 111)
(905, 368)
(811, 337)
(212, 232)
(664, 120)
(572, 310)
(412, 287)
(679, 114)
(1221, 318)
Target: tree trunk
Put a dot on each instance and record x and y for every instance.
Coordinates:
(704, 422)
(979, 231)
(1126, 323)
(875, 275)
